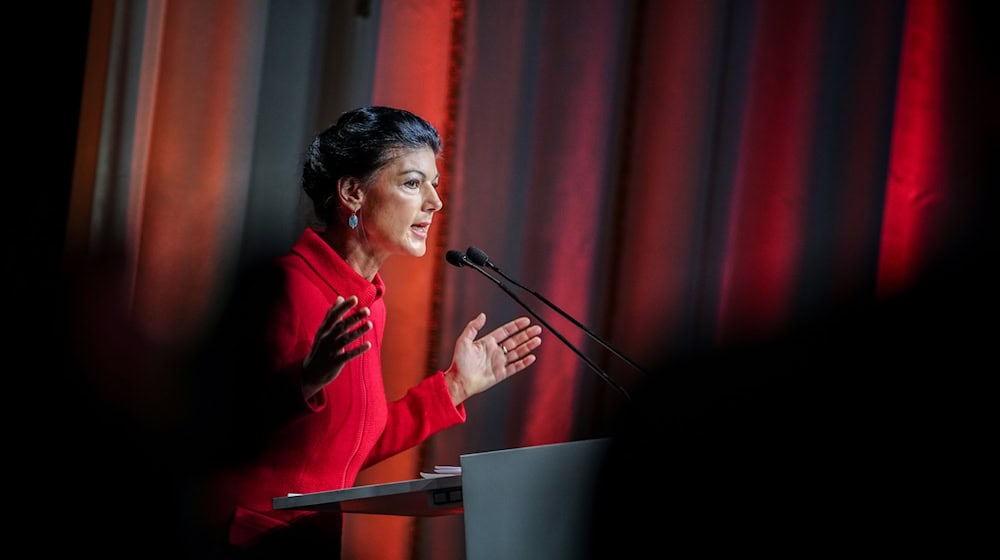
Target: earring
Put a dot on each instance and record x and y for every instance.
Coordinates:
(353, 220)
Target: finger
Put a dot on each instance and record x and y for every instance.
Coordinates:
(333, 315)
(508, 329)
(348, 355)
(519, 350)
(346, 338)
(472, 328)
(341, 305)
(518, 365)
(521, 337)
(334, 323)
(354, 319)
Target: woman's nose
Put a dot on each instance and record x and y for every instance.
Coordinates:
(434, 201)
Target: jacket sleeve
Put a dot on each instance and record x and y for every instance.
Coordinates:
(424, 410)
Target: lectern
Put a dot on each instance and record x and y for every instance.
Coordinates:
(526, 503)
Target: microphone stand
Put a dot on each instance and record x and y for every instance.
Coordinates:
(459, 259)
(479, 257)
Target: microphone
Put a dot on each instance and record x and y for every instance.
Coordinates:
(459, 259)
(479, 257)
(455, 258)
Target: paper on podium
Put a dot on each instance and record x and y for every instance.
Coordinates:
(441, 471)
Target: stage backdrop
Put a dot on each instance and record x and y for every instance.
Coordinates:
(676, 175)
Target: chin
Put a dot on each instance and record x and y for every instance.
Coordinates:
(415, 250)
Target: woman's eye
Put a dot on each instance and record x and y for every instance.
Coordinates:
(412, 184)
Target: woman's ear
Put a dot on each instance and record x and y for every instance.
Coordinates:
(351, 192)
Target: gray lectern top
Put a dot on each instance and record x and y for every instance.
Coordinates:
(418, 498)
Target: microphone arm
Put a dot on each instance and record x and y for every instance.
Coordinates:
(479, 257)
(459, 259)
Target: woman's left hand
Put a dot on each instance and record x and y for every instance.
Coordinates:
(479, 364)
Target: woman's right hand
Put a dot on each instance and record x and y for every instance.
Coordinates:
(330, 350)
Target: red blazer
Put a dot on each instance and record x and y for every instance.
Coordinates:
(323, 443)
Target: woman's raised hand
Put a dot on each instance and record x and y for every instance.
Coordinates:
(330, 351)
(479, 364)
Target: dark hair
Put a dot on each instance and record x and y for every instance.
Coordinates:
(359, 144)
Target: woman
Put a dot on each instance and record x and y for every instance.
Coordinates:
(372, 179)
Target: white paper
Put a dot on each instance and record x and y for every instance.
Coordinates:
(442, 470)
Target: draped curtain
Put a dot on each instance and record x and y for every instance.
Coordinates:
(676, 175)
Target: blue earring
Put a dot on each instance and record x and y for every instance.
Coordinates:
(353, 220)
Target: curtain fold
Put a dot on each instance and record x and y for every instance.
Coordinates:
(676, 175)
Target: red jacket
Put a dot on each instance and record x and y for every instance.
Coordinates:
(323, 443)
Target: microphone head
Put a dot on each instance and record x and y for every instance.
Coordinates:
(455, 258)
(478, 257)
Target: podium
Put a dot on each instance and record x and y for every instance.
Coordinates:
(526, 502)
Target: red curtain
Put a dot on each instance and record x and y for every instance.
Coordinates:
(676, 175)
(750, 168)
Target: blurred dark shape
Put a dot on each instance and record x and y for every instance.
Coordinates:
(863, 431)
(96, 469)
(118, 438)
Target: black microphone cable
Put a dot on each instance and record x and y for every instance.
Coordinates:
(480, 258)
(459, 259)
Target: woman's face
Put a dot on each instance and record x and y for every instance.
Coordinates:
(400, 204)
